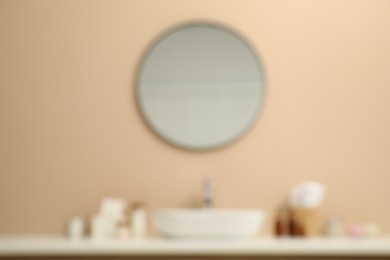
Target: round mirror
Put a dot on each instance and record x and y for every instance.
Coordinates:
(200, 86)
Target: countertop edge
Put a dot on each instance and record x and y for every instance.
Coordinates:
(59, 246)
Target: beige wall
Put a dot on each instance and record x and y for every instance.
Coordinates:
(70, 133)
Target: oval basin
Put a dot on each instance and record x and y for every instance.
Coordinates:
(208, 223)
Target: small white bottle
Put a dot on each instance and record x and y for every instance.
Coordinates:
(138, 221)
(76, 228)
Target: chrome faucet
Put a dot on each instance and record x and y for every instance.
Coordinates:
(208, 193)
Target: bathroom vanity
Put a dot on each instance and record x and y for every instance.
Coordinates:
(262, 248)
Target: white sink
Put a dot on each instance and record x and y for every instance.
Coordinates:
(208, 223)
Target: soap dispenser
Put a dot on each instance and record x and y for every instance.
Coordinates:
(281, 224)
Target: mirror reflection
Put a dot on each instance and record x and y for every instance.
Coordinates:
(200, 86)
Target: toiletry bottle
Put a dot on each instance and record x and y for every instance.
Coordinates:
(281, 228)
(278, 228)
(334, 227)
(76, 228)
(294, 223)
(138, 220)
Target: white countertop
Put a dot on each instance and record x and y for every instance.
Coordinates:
(57, 246)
